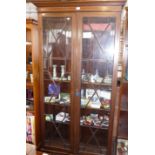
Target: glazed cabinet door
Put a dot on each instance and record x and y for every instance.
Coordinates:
(96, 81)
(56, 81)
(78, 64)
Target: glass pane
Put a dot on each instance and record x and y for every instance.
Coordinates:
(57, 79)
(96, 82)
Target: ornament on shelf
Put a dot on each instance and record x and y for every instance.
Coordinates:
(108, 77)
(83, 76)
(62, 71)
(97, 77)
(53, 89)
(54, 72)
(69, 78)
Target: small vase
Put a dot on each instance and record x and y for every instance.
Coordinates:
(54, 72)
(62, 71)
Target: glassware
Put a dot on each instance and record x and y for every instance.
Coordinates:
(54, 72)
(62, 71)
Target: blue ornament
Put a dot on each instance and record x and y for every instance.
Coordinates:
(53, 89)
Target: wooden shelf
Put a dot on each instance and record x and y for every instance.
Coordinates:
(29, 67)
(30, 111)
(28, 43)
(31, 21)
(88, 126)
(29, 85)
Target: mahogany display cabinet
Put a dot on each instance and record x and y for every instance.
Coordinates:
(78, 57)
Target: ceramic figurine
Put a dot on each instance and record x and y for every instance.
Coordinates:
(83, 74)
(53, 89)
(108, 79)
(62, 71)
(92, 78)
(54, 72)
(69, 78)
(96, 74)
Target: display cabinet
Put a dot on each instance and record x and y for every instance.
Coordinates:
(98, 80)
(31, 78)
(78, 58)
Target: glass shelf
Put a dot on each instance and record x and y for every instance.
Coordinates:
(59, 58)
(95, 110)
(96, 84)
(58, 81)
(57, 104)
(95, 127)
(67, 123)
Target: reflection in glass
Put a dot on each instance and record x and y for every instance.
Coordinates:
(96, 82)
(57, 77)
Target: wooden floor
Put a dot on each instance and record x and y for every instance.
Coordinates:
(31, 150)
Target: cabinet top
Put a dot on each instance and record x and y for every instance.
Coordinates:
(49, 3)
(31, 21)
